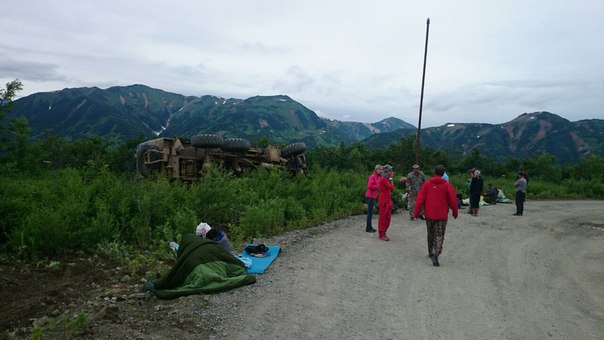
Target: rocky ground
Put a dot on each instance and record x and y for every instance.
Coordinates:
(536, 276)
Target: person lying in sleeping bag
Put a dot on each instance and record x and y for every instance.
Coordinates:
(202, 266)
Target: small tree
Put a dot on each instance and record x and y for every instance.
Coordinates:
(17, 127)
(7, 95)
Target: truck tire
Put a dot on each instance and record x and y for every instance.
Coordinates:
(236, 144)
(293, 149)
(207, 140)
(141, 149)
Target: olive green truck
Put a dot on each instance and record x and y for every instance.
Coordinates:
(190, 159)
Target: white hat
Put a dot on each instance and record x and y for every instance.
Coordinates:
(202, 229)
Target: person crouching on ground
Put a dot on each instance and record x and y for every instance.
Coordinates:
(373, 186)
(491, 195)
(215, 235)
(436, 197)
(385, 202)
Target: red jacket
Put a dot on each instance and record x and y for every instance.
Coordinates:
(386, 188)
(373, 185)
(436, 197)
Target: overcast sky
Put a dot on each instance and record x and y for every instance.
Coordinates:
(488, 61)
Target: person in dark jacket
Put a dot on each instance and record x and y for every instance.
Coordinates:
(435, 198)
(476, 186)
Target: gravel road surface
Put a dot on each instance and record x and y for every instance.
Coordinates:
(539, 276)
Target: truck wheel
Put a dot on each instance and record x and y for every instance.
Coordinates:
(207, 140)
(141, 167)
(236, 144)
(293, 149)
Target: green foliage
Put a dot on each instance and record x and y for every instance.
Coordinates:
(59, 195)
(7, 95)
(72, 209)
(63, 327)
(589, 168)
(544, 166)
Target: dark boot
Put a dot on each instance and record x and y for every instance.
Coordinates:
(435, 261)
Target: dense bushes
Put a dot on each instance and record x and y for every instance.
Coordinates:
(57, 195)
(70, 210)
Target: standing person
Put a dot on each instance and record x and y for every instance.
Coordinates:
(476, 186)
(373, 186)
(471, 174)
(436, 197)
(520, 186)
(385, 201)
(415, 180)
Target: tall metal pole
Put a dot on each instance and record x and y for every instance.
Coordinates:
(421, 100)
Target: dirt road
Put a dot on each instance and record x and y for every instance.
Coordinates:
(539, 276)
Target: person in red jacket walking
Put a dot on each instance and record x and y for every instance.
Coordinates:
(385, 202)
(435, 197)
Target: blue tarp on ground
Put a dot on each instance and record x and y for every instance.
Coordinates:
(259, 264)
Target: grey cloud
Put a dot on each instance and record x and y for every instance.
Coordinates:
(294, 80)
(262, 48)
(29, 70)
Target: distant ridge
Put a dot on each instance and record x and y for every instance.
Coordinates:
(125, 112)
(529, 134)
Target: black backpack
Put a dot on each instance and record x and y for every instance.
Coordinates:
(256, 249)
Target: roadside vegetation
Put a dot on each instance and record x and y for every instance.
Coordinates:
(59, 196)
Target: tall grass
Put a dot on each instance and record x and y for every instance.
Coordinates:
(71, 209)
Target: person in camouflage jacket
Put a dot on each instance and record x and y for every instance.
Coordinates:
(415, 180)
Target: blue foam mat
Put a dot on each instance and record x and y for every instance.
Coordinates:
(259, 264)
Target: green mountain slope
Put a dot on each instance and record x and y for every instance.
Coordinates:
(529, 134)
(124, 112)
(120, 113)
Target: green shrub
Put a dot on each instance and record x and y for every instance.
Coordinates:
(70, 209)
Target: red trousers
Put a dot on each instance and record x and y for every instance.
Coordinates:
(384, 219)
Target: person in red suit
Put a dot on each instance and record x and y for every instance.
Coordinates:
(436, 197)
(385, 202)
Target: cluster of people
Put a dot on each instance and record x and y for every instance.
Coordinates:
(430, 200)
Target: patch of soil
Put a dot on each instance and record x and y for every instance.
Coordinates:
(92, 297)
(50, 289)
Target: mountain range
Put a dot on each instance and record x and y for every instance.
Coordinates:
(125, 112)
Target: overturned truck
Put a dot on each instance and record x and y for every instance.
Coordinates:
(189, 160)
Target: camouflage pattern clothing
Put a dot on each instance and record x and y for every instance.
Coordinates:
(436, 236)
(413, 184)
